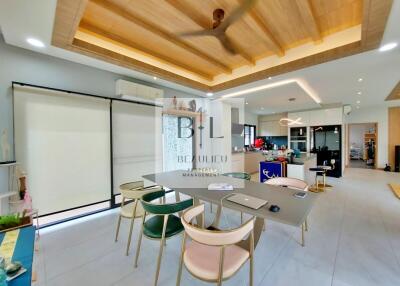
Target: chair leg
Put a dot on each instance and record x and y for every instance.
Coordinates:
(179, 277)
(241, 217)
(306, 224)
(161, 250)
(221, 266)
(251, 271)
(302, 235)
(118, 225)
(131, 228)
(139, 241)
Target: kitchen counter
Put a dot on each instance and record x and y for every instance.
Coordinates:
(304, 157)
(299, 169)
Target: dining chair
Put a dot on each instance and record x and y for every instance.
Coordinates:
(132, 191)
(239, 175)
(292, 183)
(215, 256)
(162, 225)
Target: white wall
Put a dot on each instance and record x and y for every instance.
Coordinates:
(250, 118)
(379, 115)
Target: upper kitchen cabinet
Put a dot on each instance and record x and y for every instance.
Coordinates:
(268, 125)
(331, 116)
(304, 117)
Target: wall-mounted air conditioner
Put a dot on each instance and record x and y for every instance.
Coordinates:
(138, 92)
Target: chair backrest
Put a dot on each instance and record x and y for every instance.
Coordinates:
(135, 190)
(163, 209)
(288, 182)
(238, 175)
(212, 237)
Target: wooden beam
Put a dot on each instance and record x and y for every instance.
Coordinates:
(68, 15)
(329, 55)
(89, 28)
(161, 33)
(206, 24)
(310, 22)
(375, 15)
(395, 94)
(103, 54)
(274, 44)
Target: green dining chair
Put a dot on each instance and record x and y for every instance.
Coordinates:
(162, 225)
(239, 175)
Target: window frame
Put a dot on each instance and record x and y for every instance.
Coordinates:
(251, 140)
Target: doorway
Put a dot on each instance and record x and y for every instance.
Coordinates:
(362, 145)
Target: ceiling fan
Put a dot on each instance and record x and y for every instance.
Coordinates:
(220, 25)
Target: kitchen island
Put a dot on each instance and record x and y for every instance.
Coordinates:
(299, 168)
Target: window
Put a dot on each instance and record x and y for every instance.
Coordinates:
(249, 135)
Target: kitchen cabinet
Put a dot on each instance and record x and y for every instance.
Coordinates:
(331, 116)
(271, 128)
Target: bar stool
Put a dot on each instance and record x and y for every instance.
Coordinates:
(318, 171)
(327, 168)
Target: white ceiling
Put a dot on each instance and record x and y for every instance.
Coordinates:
(276, 100)
(335, 82)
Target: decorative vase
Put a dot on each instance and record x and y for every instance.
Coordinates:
(22, 187)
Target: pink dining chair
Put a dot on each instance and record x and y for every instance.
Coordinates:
(296, 184)
(215, 256)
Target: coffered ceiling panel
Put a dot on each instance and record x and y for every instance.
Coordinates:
(251, 39)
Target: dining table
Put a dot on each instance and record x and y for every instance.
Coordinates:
(293, 210)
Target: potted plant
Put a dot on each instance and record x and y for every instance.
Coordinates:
(14, 221)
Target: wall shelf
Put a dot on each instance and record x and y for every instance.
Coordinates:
(179, 112)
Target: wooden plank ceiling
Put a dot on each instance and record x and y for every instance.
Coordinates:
(147, 35)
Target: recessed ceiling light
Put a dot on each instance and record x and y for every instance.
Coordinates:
(35, 42)
(247, 102)
(360, 79)
(359, 93)
(154, 77)
(358, 102)
(292, 99)
(270, 77)
(387, 47)
(358, 107)
(209, 94)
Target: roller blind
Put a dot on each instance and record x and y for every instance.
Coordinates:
(63, 143)
(137, 142)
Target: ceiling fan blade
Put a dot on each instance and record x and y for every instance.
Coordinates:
(196, 33)
(237, 14)
(227, 44)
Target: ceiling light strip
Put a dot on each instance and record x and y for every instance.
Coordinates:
(300, 82)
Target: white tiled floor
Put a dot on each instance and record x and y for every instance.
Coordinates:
(354, 239)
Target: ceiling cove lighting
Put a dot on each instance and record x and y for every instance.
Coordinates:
(209, 94)
(300, 82)
(387, 47)
(35, 42)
